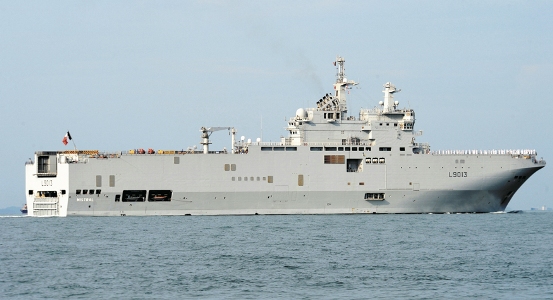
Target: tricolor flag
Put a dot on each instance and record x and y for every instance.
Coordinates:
(66, 138)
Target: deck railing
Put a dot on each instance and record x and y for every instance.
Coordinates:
(486, 152)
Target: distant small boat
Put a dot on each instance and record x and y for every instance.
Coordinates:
(24, 209)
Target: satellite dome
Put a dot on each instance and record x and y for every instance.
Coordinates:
(301, 113)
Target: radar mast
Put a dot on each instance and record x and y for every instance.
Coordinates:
(342, 84)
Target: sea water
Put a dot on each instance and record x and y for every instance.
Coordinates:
(424, 256)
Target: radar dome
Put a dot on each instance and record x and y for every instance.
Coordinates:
(301, 113)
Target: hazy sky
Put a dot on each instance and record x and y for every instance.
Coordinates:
(121, 75)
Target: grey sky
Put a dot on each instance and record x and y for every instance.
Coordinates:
(121, 75)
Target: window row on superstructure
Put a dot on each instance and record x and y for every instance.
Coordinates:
(326, 148)
(360, 149)
(269, 179)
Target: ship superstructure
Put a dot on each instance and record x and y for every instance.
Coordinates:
(330, 163)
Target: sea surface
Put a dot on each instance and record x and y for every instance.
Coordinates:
(440, 256)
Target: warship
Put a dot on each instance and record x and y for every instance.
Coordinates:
(329, 163)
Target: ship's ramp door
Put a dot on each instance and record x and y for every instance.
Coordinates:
(46, 206)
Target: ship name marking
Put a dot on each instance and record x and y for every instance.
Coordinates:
(85, 199)
(458, 174)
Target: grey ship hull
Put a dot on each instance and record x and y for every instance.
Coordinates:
(200, 185)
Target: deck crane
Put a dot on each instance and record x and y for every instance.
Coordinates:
(206, 132)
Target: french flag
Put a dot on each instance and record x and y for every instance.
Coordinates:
(66, 138)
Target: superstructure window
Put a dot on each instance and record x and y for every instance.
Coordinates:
(316, 148)
(401, 148)
(385, 149)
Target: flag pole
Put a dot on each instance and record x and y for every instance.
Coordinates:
(71, 139)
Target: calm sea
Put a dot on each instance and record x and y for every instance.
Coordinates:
(488, 256)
